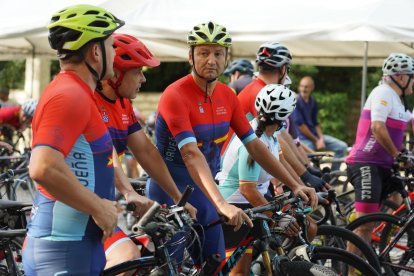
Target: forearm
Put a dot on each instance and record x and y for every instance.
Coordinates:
(121, 180)
(292, 145)
(252, 195)
(152, 162)
(269, 163)
(306, 131)
(381, 134)
(48, 168)
(290, 169)
(319, 131)
(200, 173)
(290, 157)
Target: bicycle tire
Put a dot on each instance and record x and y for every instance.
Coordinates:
(379, 245)
(346, 235)
(398, 257)
(344, 259)
(302, 268)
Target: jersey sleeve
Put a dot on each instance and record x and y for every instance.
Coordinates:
(381, 106)
(239, 123)
(134, 126)
(247, 175)
(61, 121)
(177, 117)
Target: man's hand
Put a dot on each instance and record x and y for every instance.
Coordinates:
(235, 216)
(315, 182)
(142, 203)
(106, 218)
(320, 144)
(307, 194)
(191, 210)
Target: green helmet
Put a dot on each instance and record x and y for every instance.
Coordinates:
(209, 33)
(75, 26)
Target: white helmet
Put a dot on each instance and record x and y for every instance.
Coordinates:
(275, 101)
(29, 107)
(397, 63)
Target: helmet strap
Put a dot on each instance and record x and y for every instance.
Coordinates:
(282, 75)
(115, 86)
(404, 98)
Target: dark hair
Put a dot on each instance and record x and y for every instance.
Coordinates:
(261, 127)
(264, 68)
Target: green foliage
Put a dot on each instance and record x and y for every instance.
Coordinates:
(333, 109)
(158, 78)
(12, 74)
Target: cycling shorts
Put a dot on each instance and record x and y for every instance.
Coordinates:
(45, 257)
(370, 184)
(116, 239)
(232, 239)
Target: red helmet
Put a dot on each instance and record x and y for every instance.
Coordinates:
(131, 53)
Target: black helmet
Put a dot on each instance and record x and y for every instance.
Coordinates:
(242, 65)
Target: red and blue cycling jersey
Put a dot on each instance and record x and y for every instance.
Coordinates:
(186, 114)
(120, 121)
(68, 121)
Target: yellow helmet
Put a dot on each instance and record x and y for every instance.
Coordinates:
(209, 33)
(75, 26)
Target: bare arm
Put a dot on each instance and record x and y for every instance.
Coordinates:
(48, 168)
(124, 186)
(269, 163)
(383, 137)
(306, 131)
(290, 157)
(287, 138)
(150, 159)
(199, 171)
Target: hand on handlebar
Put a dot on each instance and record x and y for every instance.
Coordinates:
(315, 182)
(235, 216)
(308, 195)
(142, 204)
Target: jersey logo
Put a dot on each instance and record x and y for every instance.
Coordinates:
(384, 103)
(200, 108)
(105, 117)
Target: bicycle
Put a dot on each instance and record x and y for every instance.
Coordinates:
(12, 232)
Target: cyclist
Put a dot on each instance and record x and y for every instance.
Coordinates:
(114, 104)
(273, 60)
(71, 161)
(193, 119)
(242, 182)
(20, 116)
(240, 72)
(379, 137)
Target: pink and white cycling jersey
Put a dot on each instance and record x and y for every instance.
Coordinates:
(383, 104)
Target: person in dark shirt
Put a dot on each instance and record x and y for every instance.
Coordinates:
(240, 72)
(306, 118)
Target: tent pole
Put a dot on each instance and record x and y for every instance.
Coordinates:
(364, 75)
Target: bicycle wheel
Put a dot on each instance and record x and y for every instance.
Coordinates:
(340, 260)
(11, 260)
(334, 236)
(301, 268)
(386, 226)
(401, 257)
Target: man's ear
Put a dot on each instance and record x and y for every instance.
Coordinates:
(190, 56)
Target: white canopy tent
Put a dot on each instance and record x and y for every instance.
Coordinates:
(318, 32)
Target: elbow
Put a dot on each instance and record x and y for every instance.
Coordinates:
(37, 171)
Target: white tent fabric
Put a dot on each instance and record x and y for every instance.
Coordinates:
(320, 32)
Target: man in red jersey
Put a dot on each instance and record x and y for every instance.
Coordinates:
(194, 116)
(74, 211)
(114, 104)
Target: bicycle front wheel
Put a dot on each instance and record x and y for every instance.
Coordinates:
(340, 261)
